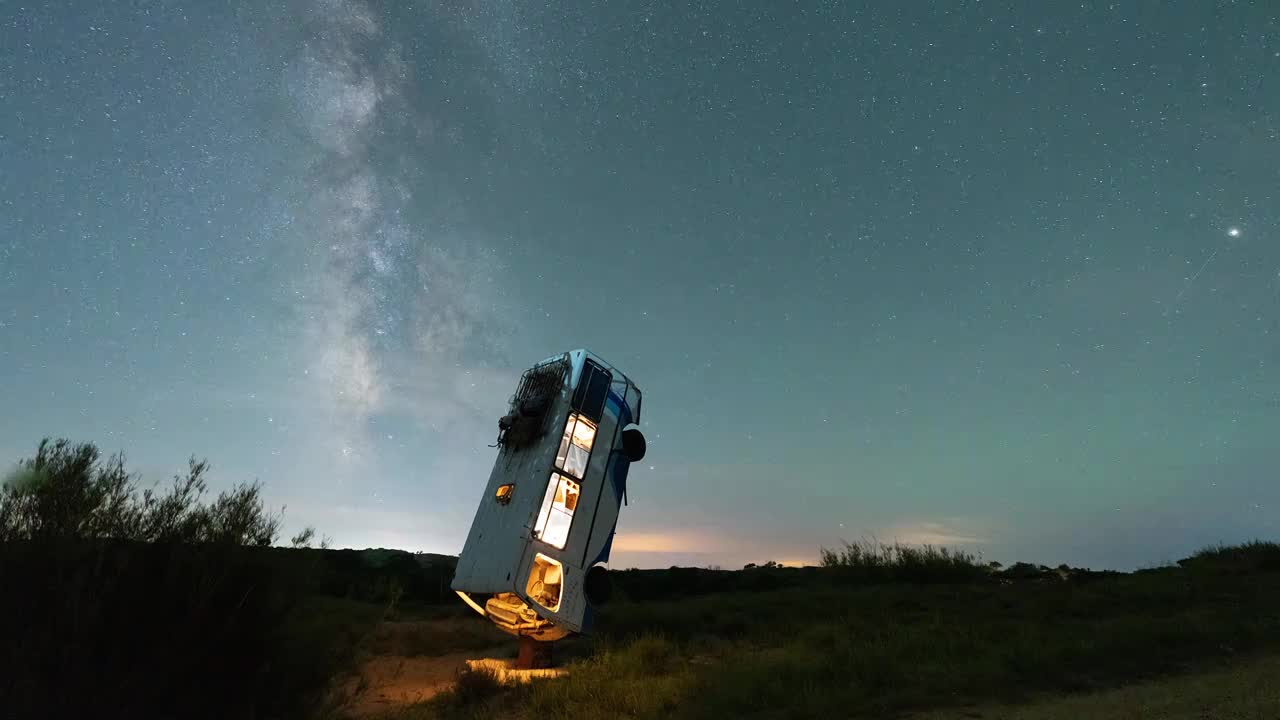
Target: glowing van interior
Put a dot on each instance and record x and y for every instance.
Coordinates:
(545, 582)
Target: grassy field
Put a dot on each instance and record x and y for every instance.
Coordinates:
(165, 603)
(1244, 690)
(1128, 645)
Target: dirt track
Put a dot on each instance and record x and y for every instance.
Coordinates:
(390, 681)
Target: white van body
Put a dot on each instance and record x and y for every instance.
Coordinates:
(547, 516)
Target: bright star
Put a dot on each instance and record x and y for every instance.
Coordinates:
(1233, 232)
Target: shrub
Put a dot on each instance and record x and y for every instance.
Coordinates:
(1254, 556)
(1025, 571)
(148, 604)
(871, 560)
(67, 491)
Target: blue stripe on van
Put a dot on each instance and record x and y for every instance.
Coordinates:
(618, 474)
(619, 408)
(618, 468)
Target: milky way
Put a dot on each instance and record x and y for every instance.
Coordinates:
(389, 299)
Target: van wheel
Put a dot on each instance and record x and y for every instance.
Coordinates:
(633, 444)
(597, 586)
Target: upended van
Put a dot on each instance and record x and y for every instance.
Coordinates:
(532, 562)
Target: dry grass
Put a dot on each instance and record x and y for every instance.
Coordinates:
(885, 650)
(1249, 690)
(417, 638)
(874, 554)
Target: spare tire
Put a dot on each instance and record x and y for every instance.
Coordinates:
(597, 586)
(633, 443)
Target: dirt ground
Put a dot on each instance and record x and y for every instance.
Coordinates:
(391, 681)
(410, 661)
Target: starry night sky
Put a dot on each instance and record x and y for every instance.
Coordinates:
(995, 275)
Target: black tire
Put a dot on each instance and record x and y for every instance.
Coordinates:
(597, 586)
(633, 444)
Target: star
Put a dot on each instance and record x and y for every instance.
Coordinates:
(1233, 232)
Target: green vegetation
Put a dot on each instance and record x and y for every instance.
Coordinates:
(138, 603)
(159, 604)
(820, 646)
(68, 492)
(1242, 691)
(1249, 558)
(875, 561)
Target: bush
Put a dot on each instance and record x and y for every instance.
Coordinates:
(1025, 571)
(1255, 556)
(871, 560)
(66, 492)
(147, 604)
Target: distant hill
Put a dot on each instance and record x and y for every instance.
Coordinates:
(435, 560)
(381, 557)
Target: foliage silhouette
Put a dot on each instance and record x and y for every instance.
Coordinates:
(67, 491)
(153, 603)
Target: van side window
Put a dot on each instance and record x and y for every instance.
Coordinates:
(556, 516)
(593, 388)
(575, 446)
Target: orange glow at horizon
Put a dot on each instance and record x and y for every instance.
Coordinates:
(703, 547)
